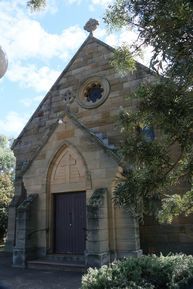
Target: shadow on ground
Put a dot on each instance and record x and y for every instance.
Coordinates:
(15, 278)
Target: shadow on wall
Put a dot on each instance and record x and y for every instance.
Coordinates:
(4, 287)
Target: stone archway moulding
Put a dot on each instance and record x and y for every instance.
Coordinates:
(68, 168)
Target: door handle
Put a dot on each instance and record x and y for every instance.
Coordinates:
(70, 219)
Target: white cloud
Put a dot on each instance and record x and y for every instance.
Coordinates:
(103, 3)
(100, 33)
(28, 102)
(26, 41)
(124, 37)
(40, 79)
(12, 124)
(112, 40)
(146, 56)
(23, 37)
(77, 2)
(92, 3)
(129, 37)
(51, 7)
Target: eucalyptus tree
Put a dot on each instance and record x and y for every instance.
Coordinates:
(152, 171)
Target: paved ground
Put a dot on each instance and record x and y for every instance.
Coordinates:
(15, 278)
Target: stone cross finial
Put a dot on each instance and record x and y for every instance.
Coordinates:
(91, 25)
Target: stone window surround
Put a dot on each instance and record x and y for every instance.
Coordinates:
(84, 86)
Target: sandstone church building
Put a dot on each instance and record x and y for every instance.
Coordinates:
(65, 170)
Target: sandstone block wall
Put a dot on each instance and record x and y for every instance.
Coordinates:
(44, 142)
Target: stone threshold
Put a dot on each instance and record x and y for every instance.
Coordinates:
(43, 264)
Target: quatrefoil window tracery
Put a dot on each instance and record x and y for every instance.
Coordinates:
(93, 92)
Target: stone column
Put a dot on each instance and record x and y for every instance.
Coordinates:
(97, 252)
(23, 249)
(127, 234)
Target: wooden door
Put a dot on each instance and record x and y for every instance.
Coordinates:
(70, 223)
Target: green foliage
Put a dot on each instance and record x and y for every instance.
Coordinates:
(153, 168)
(3, 141)
(146, 272)
(170, 34)
(176, 205)
(150, 170)
(6, 193)
(7, 159)
(117, 15)
(7, 163)
(36, 4)
(123, 60)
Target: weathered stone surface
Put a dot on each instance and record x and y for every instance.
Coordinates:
(64, 149)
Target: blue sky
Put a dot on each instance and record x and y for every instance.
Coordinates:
(39, 46)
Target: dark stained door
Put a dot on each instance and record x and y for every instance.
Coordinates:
(70, 223)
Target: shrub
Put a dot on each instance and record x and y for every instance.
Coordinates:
(146, 272)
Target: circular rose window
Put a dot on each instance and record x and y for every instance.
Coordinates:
(93, 92)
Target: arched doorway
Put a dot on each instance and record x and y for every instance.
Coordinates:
(67, 203)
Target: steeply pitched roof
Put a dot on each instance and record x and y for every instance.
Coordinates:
(44, 121)
(88, 39)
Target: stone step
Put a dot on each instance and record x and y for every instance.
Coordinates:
(80, 259)
(42, 264)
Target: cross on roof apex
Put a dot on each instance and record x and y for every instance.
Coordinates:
(91, 25)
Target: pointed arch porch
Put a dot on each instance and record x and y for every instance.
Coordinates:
(68, 182)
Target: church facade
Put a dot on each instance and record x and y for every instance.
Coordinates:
(66, 163)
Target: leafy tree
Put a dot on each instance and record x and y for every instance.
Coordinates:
(7, 163)
(6, 193)
(7, 159)
(153, 167)
(36, 4)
